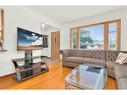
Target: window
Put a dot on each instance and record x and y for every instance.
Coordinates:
(105, 35)
(112, 36)
(74, 38)
(92, 37)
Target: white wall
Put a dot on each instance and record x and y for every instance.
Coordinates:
(65, 37)
(27, 19)
(118, 14)
(49, 39)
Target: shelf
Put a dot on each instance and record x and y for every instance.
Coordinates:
(23, 59)
(3, 50)
(46, 70)
(29, 69)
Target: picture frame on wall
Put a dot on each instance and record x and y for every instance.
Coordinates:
(1, 29)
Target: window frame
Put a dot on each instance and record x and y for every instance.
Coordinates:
(77, 38)
(106, 32)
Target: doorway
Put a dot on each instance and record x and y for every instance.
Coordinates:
(55, 45)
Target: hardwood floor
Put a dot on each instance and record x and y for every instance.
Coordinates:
(54, 79)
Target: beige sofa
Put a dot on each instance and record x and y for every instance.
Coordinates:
(75, 57)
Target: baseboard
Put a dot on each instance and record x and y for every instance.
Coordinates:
(8, 75)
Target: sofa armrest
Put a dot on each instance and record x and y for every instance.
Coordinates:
(65, 53)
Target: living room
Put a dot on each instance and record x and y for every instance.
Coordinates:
(99, 34)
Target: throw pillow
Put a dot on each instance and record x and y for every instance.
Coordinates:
(122, 58)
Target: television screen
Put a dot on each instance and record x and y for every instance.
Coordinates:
(27, 40)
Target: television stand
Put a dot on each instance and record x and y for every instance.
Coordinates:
(30, 67)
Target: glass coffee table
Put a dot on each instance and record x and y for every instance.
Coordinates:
(86, 77)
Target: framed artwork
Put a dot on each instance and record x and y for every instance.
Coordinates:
(1, 28)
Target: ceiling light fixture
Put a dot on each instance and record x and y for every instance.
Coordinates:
(43, 27)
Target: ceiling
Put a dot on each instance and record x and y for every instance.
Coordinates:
(66, 14)
(48, 27)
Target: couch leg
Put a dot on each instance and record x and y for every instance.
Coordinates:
(112, 77)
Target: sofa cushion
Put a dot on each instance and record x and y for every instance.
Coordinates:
(122, 83)
(120, 70)
(93, 61)
(86, 60)
(98, 54)
(73, 59)
(110, 64)
(87, 53)
(111, 55)
(76, 53)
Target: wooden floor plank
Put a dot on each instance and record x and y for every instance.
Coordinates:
(54, 79)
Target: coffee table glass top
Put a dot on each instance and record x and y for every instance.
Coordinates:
(82, 77)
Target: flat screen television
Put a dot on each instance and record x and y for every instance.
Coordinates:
(28, 40)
